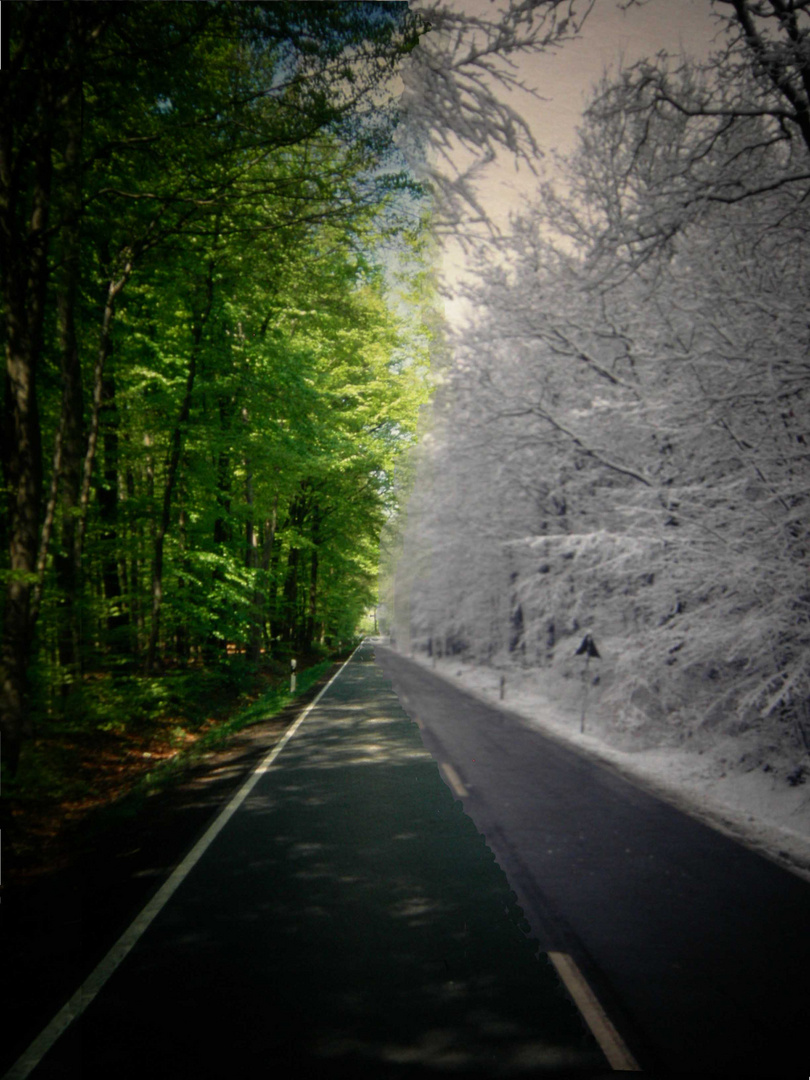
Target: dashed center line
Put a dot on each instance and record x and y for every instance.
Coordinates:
(454, 780)
(610, 1042)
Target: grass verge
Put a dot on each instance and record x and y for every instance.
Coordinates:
(268, 705)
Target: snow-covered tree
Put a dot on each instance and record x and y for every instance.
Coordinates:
(456, 113)
(622, 444)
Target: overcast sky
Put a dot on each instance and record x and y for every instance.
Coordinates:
(564, 79)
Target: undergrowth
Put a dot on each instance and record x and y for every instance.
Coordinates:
(136, 738)
(271, 702)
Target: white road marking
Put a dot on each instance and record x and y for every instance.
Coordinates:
(610, 1042)
(454, 780)
(73, 1009)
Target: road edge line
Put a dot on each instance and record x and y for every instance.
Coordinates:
(453, 779)
(78, 1002)
(610, 1041)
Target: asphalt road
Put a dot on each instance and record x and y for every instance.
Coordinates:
(698, 949)
(348, 920)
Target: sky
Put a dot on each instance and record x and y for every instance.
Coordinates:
(565, 78)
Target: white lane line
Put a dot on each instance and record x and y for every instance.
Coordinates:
(453, 779)
(70, 1011)
(610, 1042)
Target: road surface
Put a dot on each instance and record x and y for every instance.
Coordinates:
(697, 948)
(344, 918)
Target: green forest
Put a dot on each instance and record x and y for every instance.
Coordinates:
(213, 273)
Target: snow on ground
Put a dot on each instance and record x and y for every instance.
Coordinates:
(756, 807)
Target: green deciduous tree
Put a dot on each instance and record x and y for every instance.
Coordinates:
(193, 199)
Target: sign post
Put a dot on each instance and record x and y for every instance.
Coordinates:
(587, 649)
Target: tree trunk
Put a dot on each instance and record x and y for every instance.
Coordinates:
(269, 557)
(290, 615)
(24, 261)
(108, 500)
(114, 287)
(172, 467)
(252, 564)
(222, 524)
(275, 619)
(290, 598)
(312, 603)
(181, 637)
(72, 418)
(137, 547)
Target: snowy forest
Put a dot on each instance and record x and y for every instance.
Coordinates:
(228, 374)
(619, 442)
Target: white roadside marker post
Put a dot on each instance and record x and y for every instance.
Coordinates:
(292, 676)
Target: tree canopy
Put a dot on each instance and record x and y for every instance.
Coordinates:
(621, 443)
(209, 377)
